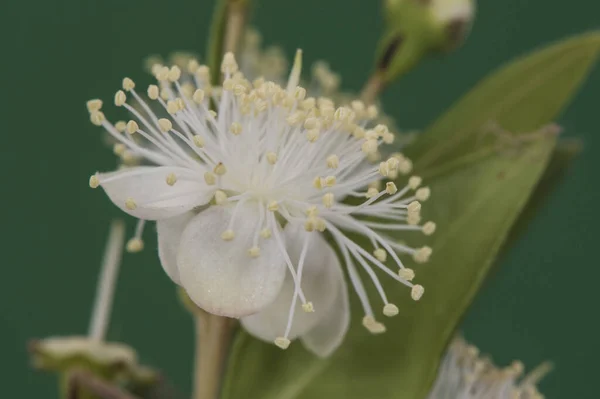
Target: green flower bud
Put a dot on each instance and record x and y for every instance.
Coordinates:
(416, 28)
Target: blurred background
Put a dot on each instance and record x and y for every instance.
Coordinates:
(541, 303)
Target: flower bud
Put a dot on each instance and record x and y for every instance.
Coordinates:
(417, 28)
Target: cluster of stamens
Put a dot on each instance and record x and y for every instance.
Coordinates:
(294, 158)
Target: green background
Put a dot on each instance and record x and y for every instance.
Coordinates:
(540, 305)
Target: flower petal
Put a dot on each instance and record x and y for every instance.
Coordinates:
(220, 276)
(328, 335)
(320, 283)
(169, 234)
(143, 191)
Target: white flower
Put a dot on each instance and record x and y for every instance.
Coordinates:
(242, 194)
(463, 374)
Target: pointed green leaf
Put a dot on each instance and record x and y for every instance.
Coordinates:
(521, 97)
(479, 189)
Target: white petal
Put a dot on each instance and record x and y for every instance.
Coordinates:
(320, 284)
(169, 234)
(220, 276)
(328, 335)
(149, 195)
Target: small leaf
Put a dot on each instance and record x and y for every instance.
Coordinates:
(479, 188)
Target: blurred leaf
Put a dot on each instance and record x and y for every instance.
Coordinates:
(479, 190)
(522, 96)
(561, 160)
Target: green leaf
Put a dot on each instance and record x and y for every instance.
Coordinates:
(521, 97)
(561, 160)
(478, 193)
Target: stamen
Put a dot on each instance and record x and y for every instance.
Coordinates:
(136, 244)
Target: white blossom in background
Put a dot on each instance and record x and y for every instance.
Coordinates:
(463, 374)
(242, 194)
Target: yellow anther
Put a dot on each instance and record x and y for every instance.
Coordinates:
(273, 206)
(342, 114)
(373, 325)
(390, 310)
(265, 233)
(97, 117)
(153, 92)
(119, 149)
(164, 94)
(388, 138)
(312, 135)
(369, 146)
(254, 252)
(187, 89)
(299, 93)
(330, 181)
(128, 84)
(429, 228)
(174, 73)
(236, 128)
(203, 73)
(371, 135)
(414, 182)
(414, 207)
(328, 200)
(198, 141)
(391, 188)
(228, 235)
(309, 103)
(282, 342)
(220, 169)
(120, 98)
(229, 65)
(380, 254)
(333, 162)
(121, 126)
(308, 307)
(295, 118)
(371, 192)
(130, 204)
(413, 219)
(312, 211)
(162, 73)
(132, 127)
(94, 105)
(422, 255)
(165, 125)
(220, 197)
(198, 96)
(423, 194)
(210, 178)
(417, 292)
(309, 224)
(94, 181)
(192, 66)
(228, 84)
(358, 106)
(135, 245)
(317, 183)
(405, 166)
(213, 114)
(392, 164)
(359, 133)
(320, 224)
(383, 169)
(406, 274)
(180, 103)
(171, 179)
(172, 107)
(271, 157)
(372, 112)
(239, 90)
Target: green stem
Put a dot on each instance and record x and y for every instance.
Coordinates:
(213, 336)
